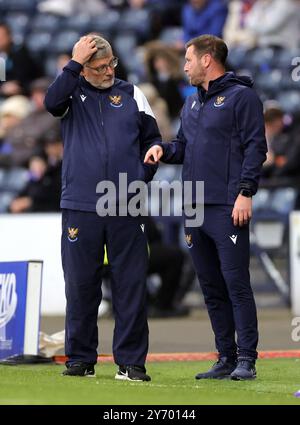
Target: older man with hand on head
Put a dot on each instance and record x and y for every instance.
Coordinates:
(107, 125)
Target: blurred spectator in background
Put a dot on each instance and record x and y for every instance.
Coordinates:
(203, 17)
(26, 135)
(42, 192)
(62, 61)
(235, 33)
(21, 69)
(166, 261)
(12, 111)
(160, 110)
(163, 68)
(274, 125)
(284, 148)
(275, 23)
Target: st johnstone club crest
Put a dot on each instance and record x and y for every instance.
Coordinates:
(219, 101)
(116, 101)
(73, 234)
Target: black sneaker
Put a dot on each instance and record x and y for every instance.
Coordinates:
(80, 369)
(132, 373)
(244, 370)
(220, 370)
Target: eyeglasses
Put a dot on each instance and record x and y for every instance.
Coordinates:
(103, 68)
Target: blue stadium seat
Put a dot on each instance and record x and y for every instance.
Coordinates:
(135, 20)
(45, 22)
(261, 59)
(18, 5)
(288, 83)
(125, 44)
(64, 41)
(237, 57)
(285, 56)
(15, 179)
(269, 81)
(283, 200)
(18, 22)
(38, 41)
(5, 200)
(289, 100)
(107, 23)
(51, 66)
(171, 35)
(80, 22)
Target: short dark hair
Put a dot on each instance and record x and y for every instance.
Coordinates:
(211, 44)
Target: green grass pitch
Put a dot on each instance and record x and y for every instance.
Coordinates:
(172, 383)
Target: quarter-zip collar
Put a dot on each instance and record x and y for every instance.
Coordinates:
(224, 81)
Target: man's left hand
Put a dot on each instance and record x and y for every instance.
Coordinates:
(242, 210)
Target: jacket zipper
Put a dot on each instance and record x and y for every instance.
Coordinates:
(105, 141)
(193, 148)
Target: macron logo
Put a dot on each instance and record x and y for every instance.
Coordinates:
(233, 238)
(82, 97)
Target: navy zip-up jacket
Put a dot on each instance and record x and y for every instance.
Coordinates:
(105, 132)
(221, 140)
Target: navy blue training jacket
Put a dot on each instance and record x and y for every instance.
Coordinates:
(105, 132)
(221, 140)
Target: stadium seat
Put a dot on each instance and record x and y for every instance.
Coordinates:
(289, 100)
(45, 22)
(18, 22)
(5, 200)
(51, 66)
(261, 58)
(125, 45)
(135, 20)
(107, 23)
(285, 56)
(64, 41)
(261, 199)
(18, 5)
(80, 22)
(39, 41)
(288, 83)
(237, 57)
(269, 81)
(283, 200)
(15, 179)
(171, 35)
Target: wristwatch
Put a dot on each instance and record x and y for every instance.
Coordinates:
(246, 192)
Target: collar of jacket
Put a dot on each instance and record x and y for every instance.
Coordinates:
(224, 81)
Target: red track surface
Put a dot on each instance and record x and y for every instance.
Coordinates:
(186, 357)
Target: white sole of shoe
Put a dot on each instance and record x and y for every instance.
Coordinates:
(126, 378)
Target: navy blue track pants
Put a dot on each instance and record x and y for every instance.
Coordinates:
(220, 252)
(84, 235)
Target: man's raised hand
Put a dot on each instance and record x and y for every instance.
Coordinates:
(153, 155)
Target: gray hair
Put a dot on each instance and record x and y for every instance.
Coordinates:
(104, 49)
